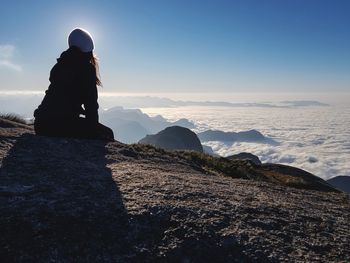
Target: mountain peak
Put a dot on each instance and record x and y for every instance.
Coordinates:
(85, 200)
(174, 138)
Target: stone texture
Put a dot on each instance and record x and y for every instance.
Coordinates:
(70, 200)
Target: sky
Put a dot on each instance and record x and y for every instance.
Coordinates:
(184, 46)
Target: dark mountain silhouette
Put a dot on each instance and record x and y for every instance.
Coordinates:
(303, 103)
(71, 200)
(340, 182)
(131, 125)
(244, 136)
(245, 156)
(174, 138)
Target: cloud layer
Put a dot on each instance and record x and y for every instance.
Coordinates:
(312, 138)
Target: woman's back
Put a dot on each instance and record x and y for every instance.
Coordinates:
(73, 83)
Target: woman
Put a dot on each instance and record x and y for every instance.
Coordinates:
(73, 93)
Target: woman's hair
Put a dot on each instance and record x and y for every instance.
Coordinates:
(89, 57)
(94, 62)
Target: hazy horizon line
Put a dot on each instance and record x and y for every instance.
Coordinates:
(333, 97)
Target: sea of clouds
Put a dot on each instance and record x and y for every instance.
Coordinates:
(314, 138)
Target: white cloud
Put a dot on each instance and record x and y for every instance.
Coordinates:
(315, 139)
(6, 58)
(10, 65)
(6, 51)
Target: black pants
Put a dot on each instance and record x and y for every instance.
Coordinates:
(73, 128)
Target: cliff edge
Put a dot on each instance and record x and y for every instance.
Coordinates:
(77, 200)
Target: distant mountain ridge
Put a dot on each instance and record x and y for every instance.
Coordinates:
(130, 125)
(153, 101)
(27, 102)
(341, 182)
(243, 136)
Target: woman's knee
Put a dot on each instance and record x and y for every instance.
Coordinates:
(104, 132)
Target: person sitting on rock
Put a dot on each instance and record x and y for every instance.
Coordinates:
(72, 94)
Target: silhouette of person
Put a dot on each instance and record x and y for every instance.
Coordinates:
(72, 94)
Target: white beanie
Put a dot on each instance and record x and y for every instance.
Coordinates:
(81, 39)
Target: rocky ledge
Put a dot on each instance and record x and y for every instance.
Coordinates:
(70, 200)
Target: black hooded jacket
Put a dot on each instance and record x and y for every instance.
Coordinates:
(73, 85)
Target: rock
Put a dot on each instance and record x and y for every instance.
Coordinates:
(71, 200)
(131, 125)
(245, 136)
(245, 156)
(174, 138)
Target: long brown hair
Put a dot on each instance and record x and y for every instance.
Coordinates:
(94, 61)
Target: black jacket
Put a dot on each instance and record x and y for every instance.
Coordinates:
(73, 84)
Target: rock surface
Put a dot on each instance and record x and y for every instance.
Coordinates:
(245, 156)
(174, 138)
(70, 200)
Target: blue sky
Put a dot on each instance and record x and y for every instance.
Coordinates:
(184, 46)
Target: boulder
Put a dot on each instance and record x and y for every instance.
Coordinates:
(174, 138)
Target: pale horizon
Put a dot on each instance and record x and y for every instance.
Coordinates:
(334, 98)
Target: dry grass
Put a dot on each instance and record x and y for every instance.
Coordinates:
(246, 169)
(13, 117)
(220, 165)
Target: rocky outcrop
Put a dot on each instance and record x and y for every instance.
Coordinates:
(244, 136)
(245, 156)
(70, 200)
(174, 138)
(340, 182)
(131, 125)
